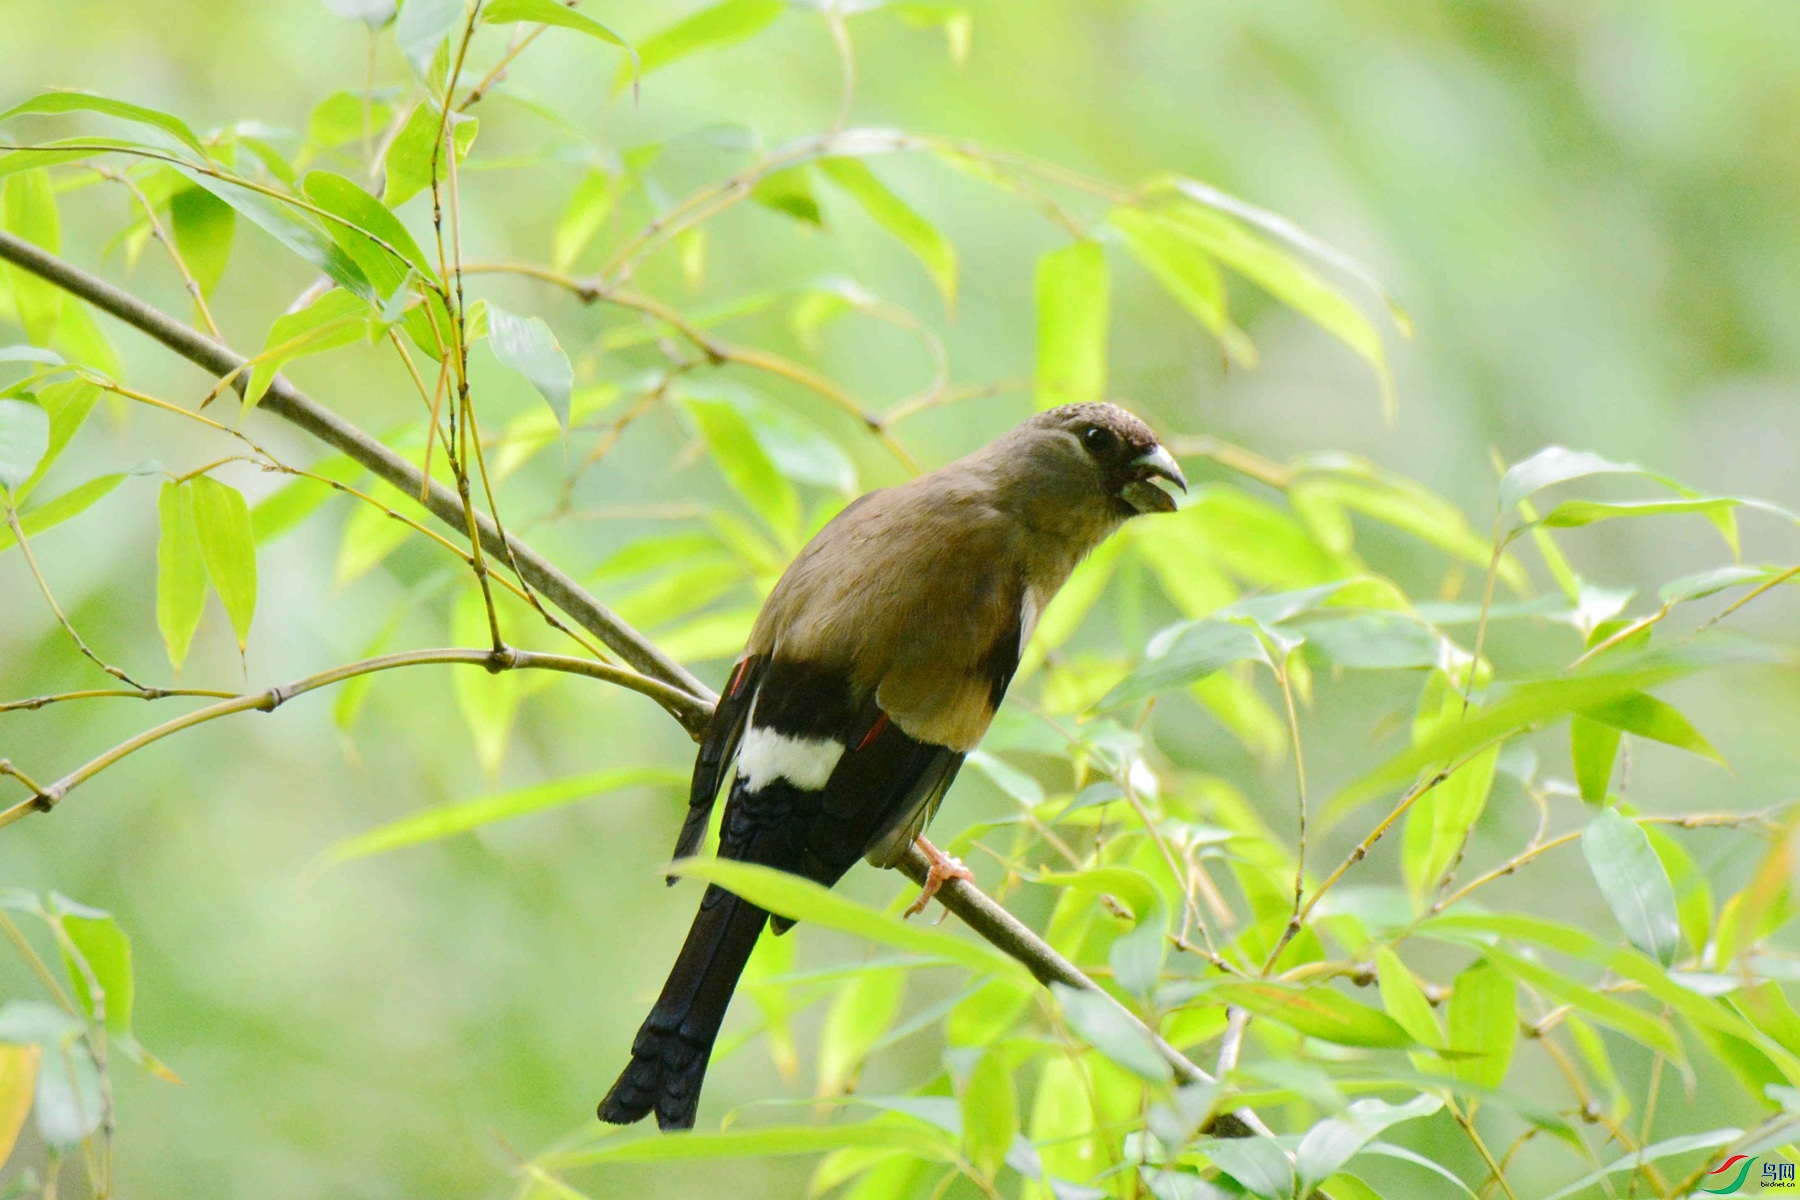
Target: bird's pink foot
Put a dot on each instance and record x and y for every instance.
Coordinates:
(944, 868)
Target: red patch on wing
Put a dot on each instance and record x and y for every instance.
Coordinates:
(737, 679)
(875, 731)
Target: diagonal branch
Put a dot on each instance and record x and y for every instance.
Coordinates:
(291, 404)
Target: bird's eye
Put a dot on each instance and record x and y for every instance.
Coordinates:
(1098, 440)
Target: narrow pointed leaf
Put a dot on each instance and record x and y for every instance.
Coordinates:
(69, 102)
(228, 548)
(1484, 1024)
(527, 346)
(712, 28)
(931, 248)
(54, 512)
(1634, 884)
(466, 815)
(204, 226)
(334, 320)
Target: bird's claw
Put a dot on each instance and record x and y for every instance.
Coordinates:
(944, 868)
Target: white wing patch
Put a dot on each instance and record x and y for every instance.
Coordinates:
(806, 763)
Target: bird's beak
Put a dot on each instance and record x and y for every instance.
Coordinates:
(1145, 496)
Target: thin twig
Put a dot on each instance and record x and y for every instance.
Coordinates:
(268, 699)
(18, 531)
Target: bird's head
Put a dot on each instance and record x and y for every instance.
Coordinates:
(1093, 456)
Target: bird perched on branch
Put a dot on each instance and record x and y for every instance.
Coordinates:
(874, 667)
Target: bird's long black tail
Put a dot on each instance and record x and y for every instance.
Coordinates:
(669, 1055)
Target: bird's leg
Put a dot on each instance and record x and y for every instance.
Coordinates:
(944, 868)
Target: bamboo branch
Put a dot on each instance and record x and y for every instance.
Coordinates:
(46, 797)
(1012, 936)
(291, 404)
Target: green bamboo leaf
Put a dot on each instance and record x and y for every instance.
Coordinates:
(408, 163)
(990, 1114)
(386, 236)
(745, 465)
(1647, 717)
(228, 548)
(422, 27)
(1477, 929)
(1529, 704)
(204, 226)
(54, 512)
(296, 233)
(106, 952)
(861, 1014)
(67, 102)
(1556, 464)
(1633, 883)
(1182, 654)
(180, 573)
(1593, 748)
(1336, 1140)
(1260, 1166)
(1693, 894)
(1318, 1012)
(548, 12)
(1710, 583)
(1571, 514)
(1074, 293)
(24, 441)
(1105, 1027)
(527, 346)
(1439, 824)
(1484, 1024)
(334, 320)
(914, 1137)
(1405, 1001)
(1273, 270)
(713, 28)
(28, 211)
(467, 815)
(931, 248)
(1639, 1026)
(798, 449)
(1186, 273)
(68, 405)
(803, 900)
(790, 193)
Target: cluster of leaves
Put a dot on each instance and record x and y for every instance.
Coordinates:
(1201, 919)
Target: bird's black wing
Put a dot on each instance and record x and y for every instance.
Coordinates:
(718, 747)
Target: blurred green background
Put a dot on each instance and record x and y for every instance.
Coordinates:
(1587, 207)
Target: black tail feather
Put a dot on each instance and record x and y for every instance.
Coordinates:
(670, 1054)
